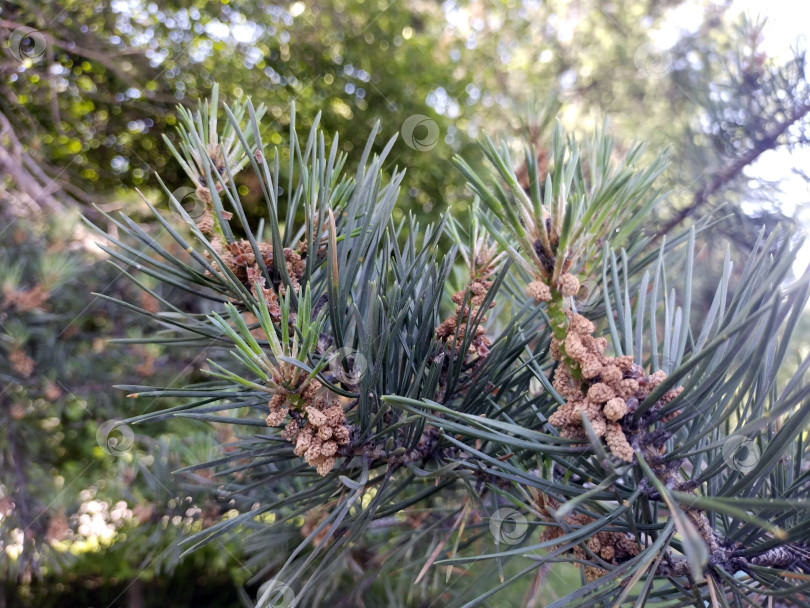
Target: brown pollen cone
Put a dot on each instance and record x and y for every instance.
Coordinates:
(318, 428)
(602, 394)
(452, 330)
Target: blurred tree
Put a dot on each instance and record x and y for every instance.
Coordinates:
(73, 482)
(96, 87)
(90, 87)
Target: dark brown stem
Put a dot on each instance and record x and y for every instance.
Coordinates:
(727, 174)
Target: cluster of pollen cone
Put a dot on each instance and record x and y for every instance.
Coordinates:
(313, 420)
(612, 547)
(601, 388)
(317, 426)
(453, 328)
(604, 390)
(241, 260)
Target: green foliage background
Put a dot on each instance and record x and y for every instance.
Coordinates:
(89, 114)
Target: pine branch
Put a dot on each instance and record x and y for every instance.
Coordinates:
(594, 438)
(721, 178)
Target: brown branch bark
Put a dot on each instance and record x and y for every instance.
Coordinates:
(33, 193)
